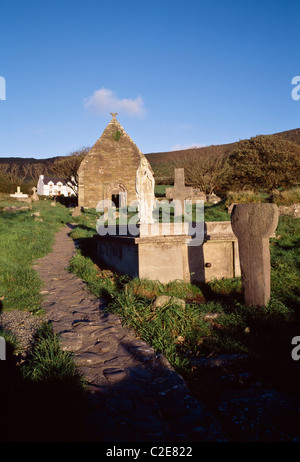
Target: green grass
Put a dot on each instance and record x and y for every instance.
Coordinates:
(23, 239)
(44, 396)
(49, 363)
(216, 212)
(180, 333)
(184, 333)
(160, 189)
(285, 262)
(10, 340)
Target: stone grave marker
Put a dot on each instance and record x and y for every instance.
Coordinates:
(34, 196)
(179, 193)
(254, 224)
(18, 194)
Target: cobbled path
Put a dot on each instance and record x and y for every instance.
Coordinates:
(134, 394)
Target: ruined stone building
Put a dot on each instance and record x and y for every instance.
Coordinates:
(108, 172)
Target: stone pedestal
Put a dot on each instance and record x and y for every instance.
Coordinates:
(253, 224)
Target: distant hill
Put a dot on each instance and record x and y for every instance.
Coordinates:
(157, 157)
(26, 160)
(290, 135)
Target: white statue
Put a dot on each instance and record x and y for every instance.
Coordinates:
(145, 192)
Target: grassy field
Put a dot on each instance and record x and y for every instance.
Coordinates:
(213, 321)
(40, 392)
(25, 237)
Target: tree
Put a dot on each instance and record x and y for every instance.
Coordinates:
(67, 167)
(265, 162)
(205, 169)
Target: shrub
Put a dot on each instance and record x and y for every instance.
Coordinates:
(288, 197)
(264, 163)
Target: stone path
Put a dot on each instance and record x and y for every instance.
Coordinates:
(135, 395)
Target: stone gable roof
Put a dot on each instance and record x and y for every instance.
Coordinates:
(111, 163)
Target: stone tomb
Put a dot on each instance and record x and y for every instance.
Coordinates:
(19, 195)
(167, 257)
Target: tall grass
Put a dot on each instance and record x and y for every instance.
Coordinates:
(286, 197)
(23, 239)
(48, 363)
(43, 396)
(214, 319)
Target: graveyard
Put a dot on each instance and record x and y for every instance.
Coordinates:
(149, 225)
(230, 344)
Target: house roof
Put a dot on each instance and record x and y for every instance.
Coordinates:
(54, 180)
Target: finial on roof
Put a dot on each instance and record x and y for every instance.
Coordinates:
(114, 114)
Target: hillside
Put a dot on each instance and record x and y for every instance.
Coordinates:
(26, 160)
(290, 135)
(158, 157)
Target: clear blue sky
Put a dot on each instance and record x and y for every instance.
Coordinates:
(179, 73)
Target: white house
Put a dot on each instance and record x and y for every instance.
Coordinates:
(53, 186)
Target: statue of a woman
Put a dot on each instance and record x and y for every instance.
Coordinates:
(145, 192)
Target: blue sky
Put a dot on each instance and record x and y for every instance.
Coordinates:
(178, 73)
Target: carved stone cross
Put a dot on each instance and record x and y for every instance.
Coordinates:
(179, 192)
(253, 225)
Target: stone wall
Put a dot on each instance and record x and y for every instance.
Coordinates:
(109, 167)
(169, 257)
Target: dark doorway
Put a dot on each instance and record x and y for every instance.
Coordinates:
(116, 200)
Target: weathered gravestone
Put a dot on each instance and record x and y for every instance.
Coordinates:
(19, 195)
(34, 196)
(179, 193)
(253, 224)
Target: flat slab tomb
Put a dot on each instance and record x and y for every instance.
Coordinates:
(171, 256)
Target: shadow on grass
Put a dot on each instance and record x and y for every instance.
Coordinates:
(37, 410)
(220, 294)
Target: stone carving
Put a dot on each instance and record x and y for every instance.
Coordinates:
(253, 224)
(145, 192)
(179, 193)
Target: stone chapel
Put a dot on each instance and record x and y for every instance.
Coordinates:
(108, 172)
